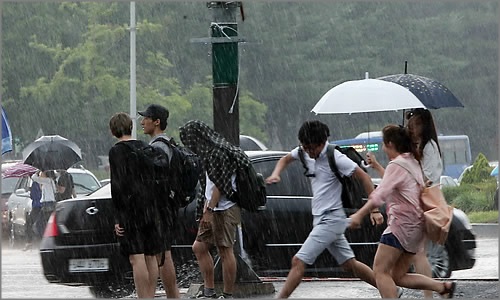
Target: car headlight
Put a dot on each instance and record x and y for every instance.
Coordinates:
(460, 215)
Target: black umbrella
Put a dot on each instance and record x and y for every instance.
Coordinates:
(430, 92)
(52, 152)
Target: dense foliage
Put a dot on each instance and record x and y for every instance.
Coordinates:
(65, 66)
(477, 188)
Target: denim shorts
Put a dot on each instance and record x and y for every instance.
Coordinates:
(390, 239)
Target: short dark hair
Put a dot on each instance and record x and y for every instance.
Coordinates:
(120, 124)
(313, 132)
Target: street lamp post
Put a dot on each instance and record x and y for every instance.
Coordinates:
(133, 96)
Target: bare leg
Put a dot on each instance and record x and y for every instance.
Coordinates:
(294, 277)
(360, 270)
(168, 276)
(141, 275)
(228, 268)
(389, 260)
(385, 261)
(152, 267)
(423, 267)
(206, 263)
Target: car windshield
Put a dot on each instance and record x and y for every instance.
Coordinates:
(9, 184)
(84, 183)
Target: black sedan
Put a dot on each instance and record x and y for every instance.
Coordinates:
(79, 246)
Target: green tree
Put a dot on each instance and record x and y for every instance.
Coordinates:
(479, 173)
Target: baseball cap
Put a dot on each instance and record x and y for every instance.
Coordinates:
(155, 112)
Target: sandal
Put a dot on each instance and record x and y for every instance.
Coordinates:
(448, 292)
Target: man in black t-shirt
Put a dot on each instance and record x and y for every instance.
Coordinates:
(154, 122)
(136, 216)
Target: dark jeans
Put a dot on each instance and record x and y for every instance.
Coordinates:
(47, 209)
(33, 224)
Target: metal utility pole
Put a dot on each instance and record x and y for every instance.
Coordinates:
(133, 96)
(225, 69)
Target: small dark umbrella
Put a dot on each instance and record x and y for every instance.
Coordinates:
(52, 152)
(430, 92)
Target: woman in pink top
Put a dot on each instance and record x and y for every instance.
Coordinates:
(404, 234)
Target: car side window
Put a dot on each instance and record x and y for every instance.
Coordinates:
(24, 184)
(293, 182)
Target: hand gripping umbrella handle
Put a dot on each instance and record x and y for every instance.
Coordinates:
(365, 165)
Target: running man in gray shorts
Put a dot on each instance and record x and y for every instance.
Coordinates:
(329, 221)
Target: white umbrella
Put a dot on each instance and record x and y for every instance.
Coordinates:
(366, 95)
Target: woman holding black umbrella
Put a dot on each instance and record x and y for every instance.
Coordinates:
(47, 180)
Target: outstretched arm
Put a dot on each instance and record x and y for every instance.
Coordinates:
(375, 215)
(372, 161)
(280, 166)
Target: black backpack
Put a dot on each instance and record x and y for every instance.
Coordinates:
(250, 188)
(183, 174)
(155, 167)
(353, 191)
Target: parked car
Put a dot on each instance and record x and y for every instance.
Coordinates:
(447, 181)
(19, 202)
(79, 246)
(8, 187)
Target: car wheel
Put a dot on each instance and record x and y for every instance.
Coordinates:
(439, 260)
(111, 290)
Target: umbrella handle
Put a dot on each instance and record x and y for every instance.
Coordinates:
(365, 165)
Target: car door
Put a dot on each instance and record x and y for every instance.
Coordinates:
(20, 203)
(273, 235)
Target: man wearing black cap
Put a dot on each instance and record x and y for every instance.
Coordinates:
(154, 122)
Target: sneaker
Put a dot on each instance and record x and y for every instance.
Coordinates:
(400, 292)
(225, 297)
(201, 295)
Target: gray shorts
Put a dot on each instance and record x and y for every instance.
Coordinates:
(327, 233)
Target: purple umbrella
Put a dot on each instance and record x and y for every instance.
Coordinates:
(19, 170)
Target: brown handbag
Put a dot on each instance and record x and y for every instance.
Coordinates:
(437, 213)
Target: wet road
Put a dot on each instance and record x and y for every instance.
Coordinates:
(22, 278)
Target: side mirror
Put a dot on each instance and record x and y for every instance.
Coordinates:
(22, 193)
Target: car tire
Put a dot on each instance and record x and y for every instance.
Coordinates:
(111, 290)
(439, 259)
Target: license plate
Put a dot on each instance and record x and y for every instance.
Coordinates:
(88, 265)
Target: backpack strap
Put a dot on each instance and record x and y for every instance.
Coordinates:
(303, 161)
(169, 142)
(330, 154)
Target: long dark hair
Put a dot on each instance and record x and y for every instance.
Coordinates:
(423, 117)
